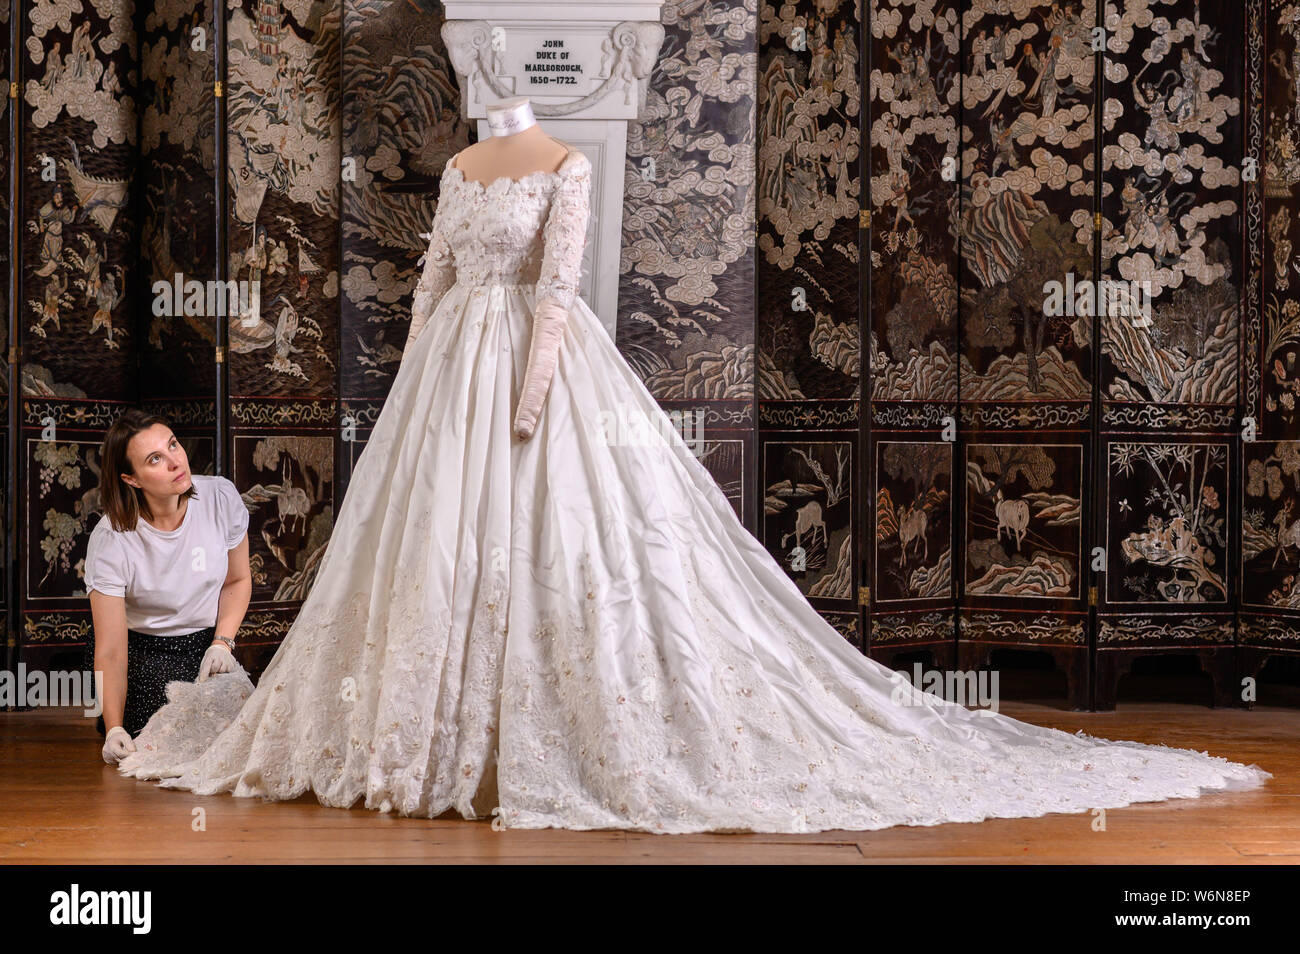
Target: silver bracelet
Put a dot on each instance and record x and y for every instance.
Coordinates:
(230, 643)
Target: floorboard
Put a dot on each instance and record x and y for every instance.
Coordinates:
(59, 803)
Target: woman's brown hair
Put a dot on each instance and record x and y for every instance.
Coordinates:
(123, 504)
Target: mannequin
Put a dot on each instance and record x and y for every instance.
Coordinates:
(518, 146)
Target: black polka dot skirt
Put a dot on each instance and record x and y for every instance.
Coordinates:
(151, 663)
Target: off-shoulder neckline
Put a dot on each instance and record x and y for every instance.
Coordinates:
(565, 165)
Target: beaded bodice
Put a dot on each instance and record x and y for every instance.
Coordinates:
(529, 230)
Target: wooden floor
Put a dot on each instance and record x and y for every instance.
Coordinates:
(60, 803)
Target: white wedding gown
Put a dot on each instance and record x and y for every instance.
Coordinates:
(576, 631)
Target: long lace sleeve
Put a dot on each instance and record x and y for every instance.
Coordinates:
(564, 236)
(439, 274)
(564, 239)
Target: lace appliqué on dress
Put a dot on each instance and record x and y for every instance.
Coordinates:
(486, 232)
(565, 234)
(577, 632)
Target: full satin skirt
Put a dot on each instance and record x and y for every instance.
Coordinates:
(577, 632)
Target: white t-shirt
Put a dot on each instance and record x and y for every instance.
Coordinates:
(171, 579)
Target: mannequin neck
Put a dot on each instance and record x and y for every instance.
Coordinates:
(525, 137)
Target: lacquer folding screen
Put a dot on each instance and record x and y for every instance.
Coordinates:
(296, 149)
(1078, 315)
(833, 266)
(1269, 485)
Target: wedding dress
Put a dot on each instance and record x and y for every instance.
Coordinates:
(575, 631)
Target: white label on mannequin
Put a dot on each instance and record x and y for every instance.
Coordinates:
(508, 120)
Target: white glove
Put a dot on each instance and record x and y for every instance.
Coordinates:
(217, 659)
(117, 744)
(549, 320)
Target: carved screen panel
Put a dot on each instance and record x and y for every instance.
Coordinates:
(7, 640)
(1270, 478)
(913, 108)
(283, 226)
(806, 368)
(80, 344)
(1172, 239)
(1025, 380)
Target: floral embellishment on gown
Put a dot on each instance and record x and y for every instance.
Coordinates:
(578, 632)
